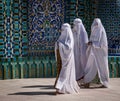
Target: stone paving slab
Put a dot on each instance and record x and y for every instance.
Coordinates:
(42, 89)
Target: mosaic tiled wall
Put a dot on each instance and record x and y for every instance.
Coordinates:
(36, 67)
(109, 12)
(28, 67)
(87, 12)
(45, 20)
(29, 28)
(13, 28)
(83, 9)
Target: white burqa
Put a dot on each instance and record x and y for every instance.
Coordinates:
(97, 55)
(80, 46)
(66, 82)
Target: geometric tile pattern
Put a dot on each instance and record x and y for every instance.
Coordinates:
(13, 28)
(2, 51)
(31, 27)
(83, 9)
(70, 11)
(36, 24)
(44, 67)
(45, 20)
(109, 12)
(87, 12)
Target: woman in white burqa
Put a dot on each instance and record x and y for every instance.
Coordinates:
(97, 54)
(66, 82)
(80, 46)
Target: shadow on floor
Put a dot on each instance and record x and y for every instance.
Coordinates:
(40, 86)
(95, 86)
(34, 93)
(50, 87)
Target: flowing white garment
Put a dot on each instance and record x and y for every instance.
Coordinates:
(80, 46)
(66, 82)
(97, 55)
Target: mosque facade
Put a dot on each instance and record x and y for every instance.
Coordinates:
(30, 28)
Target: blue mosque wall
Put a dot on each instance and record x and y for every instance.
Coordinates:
(109, 12)
(29, 29)
(45, 19)
(13, 28)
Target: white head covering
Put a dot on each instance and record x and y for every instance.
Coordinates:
(98, 33)
(80, 40)
(80, 29)
(96, 22)
(77, 22)
(66, 36)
